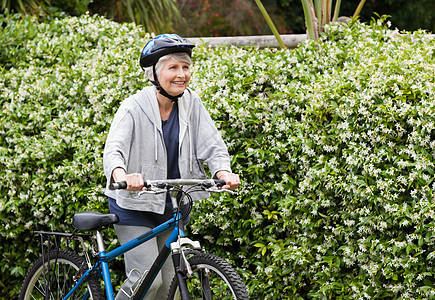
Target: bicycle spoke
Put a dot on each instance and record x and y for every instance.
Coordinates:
(39, 289)
(212, 278)
(62, 272)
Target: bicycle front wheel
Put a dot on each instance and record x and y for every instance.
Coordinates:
(212, 278)
(53, 280)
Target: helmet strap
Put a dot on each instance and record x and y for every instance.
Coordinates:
(161, 90)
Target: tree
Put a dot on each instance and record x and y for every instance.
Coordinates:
(320, 12)
(33, 7)
(270, 23)
(227, 18)
(405, 15)
(154, 16)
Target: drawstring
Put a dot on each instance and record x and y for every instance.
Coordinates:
(155, 144)
(190, 148)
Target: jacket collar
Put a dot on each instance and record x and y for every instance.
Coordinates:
(147, 98)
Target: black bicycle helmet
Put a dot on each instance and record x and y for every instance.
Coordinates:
(160, 46)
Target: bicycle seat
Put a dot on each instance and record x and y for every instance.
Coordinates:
(91, 220)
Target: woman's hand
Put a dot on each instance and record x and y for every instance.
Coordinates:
(134, 181)
(232, 180)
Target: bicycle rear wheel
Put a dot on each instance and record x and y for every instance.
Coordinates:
(213, 278)
(64, 265)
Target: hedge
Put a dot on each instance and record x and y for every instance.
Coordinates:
(333, 141)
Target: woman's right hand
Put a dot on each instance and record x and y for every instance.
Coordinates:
(134, 181)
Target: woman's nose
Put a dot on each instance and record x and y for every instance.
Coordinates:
(181, 73)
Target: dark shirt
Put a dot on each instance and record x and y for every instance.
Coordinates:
(171, 130)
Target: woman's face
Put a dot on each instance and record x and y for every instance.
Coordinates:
(174, 76)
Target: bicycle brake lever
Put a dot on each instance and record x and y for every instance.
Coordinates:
(220, 191)
(227, 191)
(151, 192)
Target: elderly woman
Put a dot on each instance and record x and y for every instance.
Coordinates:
(161, 132)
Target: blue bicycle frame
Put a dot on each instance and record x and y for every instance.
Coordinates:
(105, 258)
(177, 245)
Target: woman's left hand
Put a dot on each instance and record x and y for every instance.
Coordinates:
(232, 180)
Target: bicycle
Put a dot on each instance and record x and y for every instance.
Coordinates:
(64, 274)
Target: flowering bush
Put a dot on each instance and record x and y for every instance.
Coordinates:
(60, 85)
(333, 141)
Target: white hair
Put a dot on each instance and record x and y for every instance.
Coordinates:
(178, 56)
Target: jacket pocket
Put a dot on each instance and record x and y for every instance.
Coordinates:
(198, 171)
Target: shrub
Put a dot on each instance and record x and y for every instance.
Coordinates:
(333, 141)
(60, 85)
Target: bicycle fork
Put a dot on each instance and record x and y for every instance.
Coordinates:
(183, 269)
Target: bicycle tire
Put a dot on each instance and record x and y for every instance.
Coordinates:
(64, 266)
(225, 282)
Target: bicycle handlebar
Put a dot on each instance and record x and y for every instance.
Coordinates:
(207, 183)
(118, 185)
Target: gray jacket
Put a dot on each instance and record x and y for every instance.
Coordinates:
(135, 143)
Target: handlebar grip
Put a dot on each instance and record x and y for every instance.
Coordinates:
(118, 185)
(219, 182)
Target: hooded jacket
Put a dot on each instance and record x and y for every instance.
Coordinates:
(135, 143)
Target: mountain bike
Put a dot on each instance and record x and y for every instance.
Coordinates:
(61, 273)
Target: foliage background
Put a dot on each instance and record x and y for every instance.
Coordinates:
(333, 140)
(405, 15)
(201, 18)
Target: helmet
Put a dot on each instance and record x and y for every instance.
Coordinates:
(161, 45)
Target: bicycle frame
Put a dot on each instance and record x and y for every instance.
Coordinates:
(105, 258)
(175, 244)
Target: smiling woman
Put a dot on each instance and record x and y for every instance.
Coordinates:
(161, 132)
